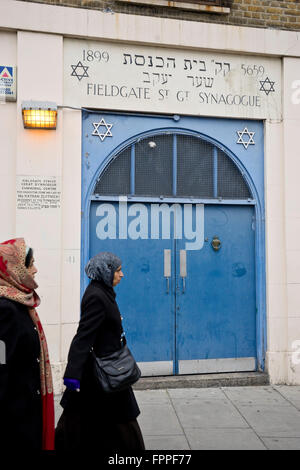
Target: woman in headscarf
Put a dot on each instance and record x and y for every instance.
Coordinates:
(26, 393)
(93, 420)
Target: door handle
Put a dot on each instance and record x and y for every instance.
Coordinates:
(167, 268)
(183, 271)
(216, 243)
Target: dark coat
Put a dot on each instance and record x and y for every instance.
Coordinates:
(100, 327)
(20, 398)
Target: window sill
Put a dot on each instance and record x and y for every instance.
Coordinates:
(182, 5)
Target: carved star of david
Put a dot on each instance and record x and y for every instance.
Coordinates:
(266, 83)
(102, 123)
(241, 140)
(79, 71)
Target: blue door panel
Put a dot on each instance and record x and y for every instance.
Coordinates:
(216, 315)
(146, 306)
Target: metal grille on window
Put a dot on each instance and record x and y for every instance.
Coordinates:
(231, 184)
(154, 166)
(201, 170)
(194, 167)
(116, 177)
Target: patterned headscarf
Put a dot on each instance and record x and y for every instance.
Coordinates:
(102, 267)
(15, 280)
(17, 284)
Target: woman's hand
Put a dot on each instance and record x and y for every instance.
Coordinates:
(72, 384)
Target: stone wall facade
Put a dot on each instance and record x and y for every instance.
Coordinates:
(33, 38)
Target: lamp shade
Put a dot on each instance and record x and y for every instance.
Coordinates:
(39, 114)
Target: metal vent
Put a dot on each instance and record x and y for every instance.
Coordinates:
(154, 166)
(194, 167)
(231, 184)
(116, 177)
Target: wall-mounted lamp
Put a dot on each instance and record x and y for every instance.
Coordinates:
(39, 114)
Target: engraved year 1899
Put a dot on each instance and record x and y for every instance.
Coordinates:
(89, 55)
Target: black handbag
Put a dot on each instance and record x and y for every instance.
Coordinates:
(116, 371)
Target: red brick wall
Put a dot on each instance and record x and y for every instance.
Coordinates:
(258, 13)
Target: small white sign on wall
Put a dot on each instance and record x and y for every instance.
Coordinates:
(38, 192)
(143, 78)
(8, 83)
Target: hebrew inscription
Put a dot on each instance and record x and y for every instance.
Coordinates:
(142, 78)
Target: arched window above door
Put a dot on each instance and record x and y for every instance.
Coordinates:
(176, 165)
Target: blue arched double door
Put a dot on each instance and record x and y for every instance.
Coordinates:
(180, 210)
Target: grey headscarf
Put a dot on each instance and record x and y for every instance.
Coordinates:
(102, 267)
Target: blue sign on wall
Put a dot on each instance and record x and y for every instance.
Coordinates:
(8, 83)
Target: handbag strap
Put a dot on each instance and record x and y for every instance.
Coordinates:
(122, 341)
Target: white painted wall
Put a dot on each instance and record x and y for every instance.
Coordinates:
(275, 255)
(71, 229)
(8, 134)
(291, 155)
(31, 37)
(39, 153)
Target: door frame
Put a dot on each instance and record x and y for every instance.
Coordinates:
(257, 202)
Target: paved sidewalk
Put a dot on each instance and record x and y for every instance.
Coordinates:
(237, 418)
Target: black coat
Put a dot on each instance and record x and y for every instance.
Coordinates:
(20, 398)
(100, 327)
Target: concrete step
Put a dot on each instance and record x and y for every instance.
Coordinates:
(233, 379)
